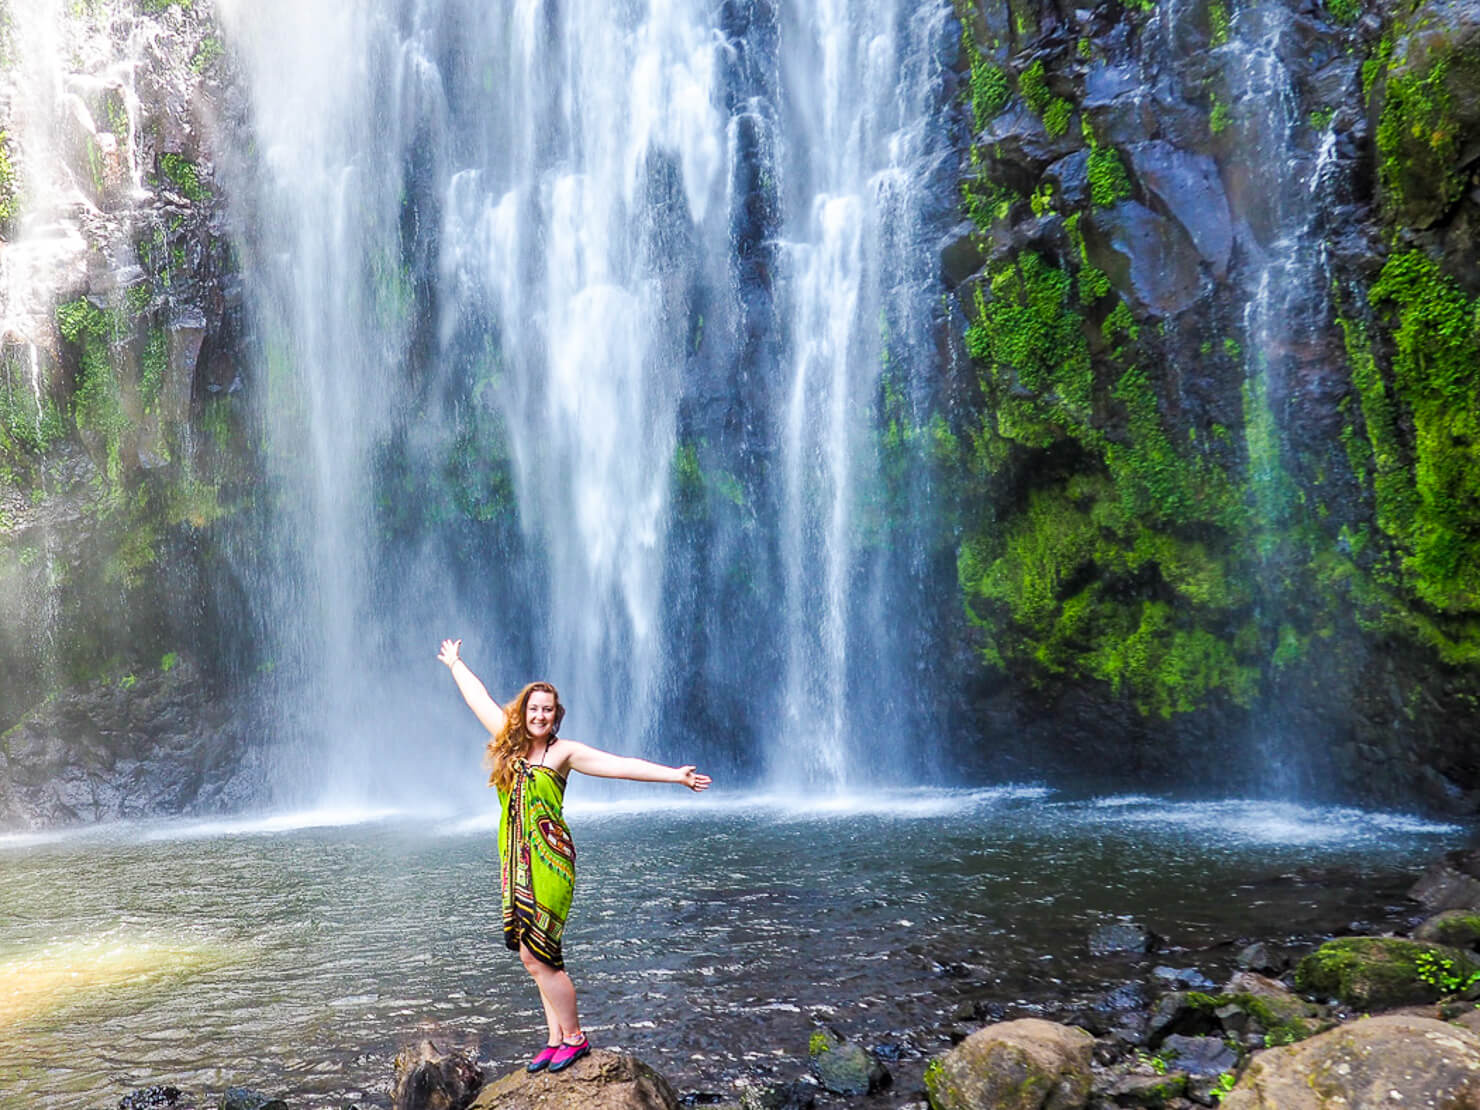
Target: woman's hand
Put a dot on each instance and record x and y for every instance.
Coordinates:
(692, 779)
(449, 651)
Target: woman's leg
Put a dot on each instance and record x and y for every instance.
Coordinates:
(557, 993)
(552, 1022)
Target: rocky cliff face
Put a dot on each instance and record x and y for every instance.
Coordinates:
(1217, 389)
(124, 464)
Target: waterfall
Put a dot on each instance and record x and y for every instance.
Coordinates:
(571, 328)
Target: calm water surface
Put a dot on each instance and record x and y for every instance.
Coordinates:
(297, 954)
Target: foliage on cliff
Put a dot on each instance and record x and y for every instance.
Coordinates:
(1143, 507)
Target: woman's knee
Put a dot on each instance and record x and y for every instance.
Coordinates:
(530, 961)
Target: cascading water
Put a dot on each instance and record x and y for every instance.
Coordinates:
(531, 282)
(1286, 311)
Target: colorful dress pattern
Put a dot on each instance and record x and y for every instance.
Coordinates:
(537, 862)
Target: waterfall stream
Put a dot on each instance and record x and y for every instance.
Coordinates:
(587, 259)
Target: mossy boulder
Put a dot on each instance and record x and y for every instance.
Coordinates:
(1427, 109)
(1392, 1060)
(1028, 1064)
(1256, 1005)
(844, 1068)
(1374, 973)
(1455, 928)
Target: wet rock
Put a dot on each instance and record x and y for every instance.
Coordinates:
(1198, 1055)
(1147, 257)
(1151, 1091)
(1186, 1012)
(1120, 936)
(960, 253)
(1424, 150)
(843, 1067)
(1259, 957)
(1027, 1064)
(429, 1079)
(604, 1080)
(1452, 883)
(1188, 187)
(156, 1098)
(1389, 1060)
(1374, 973)
(1070, 178)
(243, 1098)
(1183, 978)
(1456, 928)
(778, 1096)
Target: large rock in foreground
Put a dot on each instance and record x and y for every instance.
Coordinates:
(602, 1081)
(1393, 1060)
(1018, 1065)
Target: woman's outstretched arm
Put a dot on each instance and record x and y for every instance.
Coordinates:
(594, 761)
(473, 691)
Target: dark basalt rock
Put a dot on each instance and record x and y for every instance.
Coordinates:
(1188, 186)
(429, 1079)
(1149, 259)
(1118, 937)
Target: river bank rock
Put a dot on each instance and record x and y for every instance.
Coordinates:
(1028, 1064)
(1451, 883)
(429, 1079)
(1455, 928)
(149, 740)
(1374, 973)
(844, 1067)
(1391, 1060)
(604, 1080)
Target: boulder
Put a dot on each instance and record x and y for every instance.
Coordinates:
(1198, 1055)
(1427, 112)
(1027, 1064)
(1119, 936)
(1189, 188)
(845, 1068)
(429, 1079)
(1265, 1008)
(243, 1098)
(1374, 973)
(1392, 1060)
(1456, 928)
(1453, 883)
(1151, 1091)
(604, 1080)
(1149, 259)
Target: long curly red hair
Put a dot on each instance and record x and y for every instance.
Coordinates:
(512, 742)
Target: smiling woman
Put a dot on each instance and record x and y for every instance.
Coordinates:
(528, 764)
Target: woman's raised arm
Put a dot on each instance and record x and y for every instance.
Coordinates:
(594, 761)
(473, 691)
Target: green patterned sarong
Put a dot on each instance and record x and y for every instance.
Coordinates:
(537, 862)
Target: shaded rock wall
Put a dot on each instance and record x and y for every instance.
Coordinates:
(1215, 391)
(126, 472)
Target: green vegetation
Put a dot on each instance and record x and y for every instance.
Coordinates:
(9, 189)
(1055, 111)
(1378, 972)
(1345, 11)
(1219, 116)
(1218, 26)
(168, 660)
(97, 401)
(1444, 973)
(989, 88)
(206, 54)
(1223, 1087)
(1108, 182)
(1417, 139)
(182, 173)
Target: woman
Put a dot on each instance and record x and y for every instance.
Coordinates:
(528, 763)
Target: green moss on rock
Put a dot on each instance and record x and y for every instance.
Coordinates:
(1374, 973)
